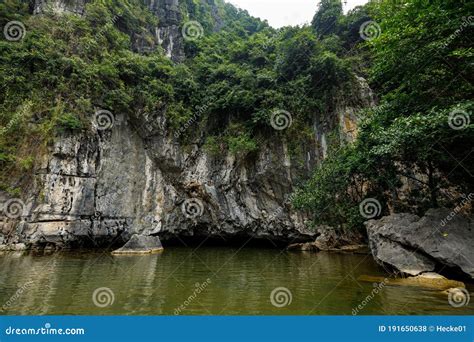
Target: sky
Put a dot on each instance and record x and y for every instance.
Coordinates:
(286, 12)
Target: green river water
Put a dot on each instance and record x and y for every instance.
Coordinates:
(206, 281)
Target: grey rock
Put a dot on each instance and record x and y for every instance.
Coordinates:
(140, 244)
(330, 239)
(98, 186)
(415, 245)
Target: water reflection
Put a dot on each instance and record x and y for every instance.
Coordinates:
(241, 283)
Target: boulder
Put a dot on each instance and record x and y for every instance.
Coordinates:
(330, 239)
(303, 247)
(140, 244)
(415, 245)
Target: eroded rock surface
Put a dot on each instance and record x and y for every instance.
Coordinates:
(416, 245)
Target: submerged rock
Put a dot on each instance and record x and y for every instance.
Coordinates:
(139, 244)
(415, 245)
(430, 280)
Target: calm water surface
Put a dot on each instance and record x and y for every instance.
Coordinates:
(241, 282)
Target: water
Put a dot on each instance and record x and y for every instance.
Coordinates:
(241, 283)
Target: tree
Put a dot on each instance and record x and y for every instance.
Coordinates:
(325, 21)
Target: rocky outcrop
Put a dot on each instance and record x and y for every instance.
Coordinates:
(429, 280)
(60, 6)
(101, 186)
(140, 244)
(415, 245)
(167, 34)
(133, 176)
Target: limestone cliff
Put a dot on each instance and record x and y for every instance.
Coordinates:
(130, 175)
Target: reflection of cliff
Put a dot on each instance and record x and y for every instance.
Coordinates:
(37, 279)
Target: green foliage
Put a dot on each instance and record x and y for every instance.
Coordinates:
(326, 19)
(422, 69)
(69, 122)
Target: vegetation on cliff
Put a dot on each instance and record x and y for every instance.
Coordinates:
(419, 62)
(421, 68)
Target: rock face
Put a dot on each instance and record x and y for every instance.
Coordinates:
(168, 34)
(101, 186)
(60, 6)
(415, 245)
